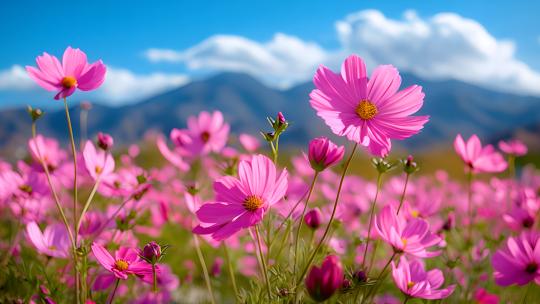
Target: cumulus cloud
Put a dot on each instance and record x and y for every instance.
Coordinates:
(16, 79)
(443, 46)
(282, 61)
(121, 85)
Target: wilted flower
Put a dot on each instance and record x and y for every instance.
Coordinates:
(73, 73)
(322, 282)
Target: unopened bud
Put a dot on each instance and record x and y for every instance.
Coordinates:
(104, 141)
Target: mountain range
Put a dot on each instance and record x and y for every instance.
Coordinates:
(454, 107)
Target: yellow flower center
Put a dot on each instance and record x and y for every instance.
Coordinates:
(366, 110)
(252, 203)
(404, 240)
(69, 82)
(99, 170)
(205, 136)
(121, 265)
(410, 284)
(415, 213)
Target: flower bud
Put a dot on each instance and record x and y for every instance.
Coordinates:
(360, 276)
(281, 118)
(104, 141)
(151, 252)
(382, 165)
(323, 153)
(86, 105)
(35, 114)
(322, 282)
(216, 267)
(409, 166)
(313, 218)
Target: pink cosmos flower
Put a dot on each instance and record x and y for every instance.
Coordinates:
(126, 261)
(73, 73)
(369, 112)
(46, 150)
(322, 282)
(519, 261)
(323, 153)
(479, 159)
(414, 281)
(413, 237)
(242, 202)
(513, 147)
(249, 142)
(53, 241)
(99, 163)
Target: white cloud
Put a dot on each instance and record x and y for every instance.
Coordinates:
(282, 61)
(16, 79)
(122, 85)
(443, 46)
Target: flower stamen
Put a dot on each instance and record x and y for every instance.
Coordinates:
(121, 265)
(366, 110)
(252, 203)
(69, 82)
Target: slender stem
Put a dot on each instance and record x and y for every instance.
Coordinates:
(403, 193)
(276, 151)
(371, 213)
(86, 206)
(373, 255)
(111, 297)
(231, 273)
(386, 266)
(406, 299)
(204, 268)
(154, 275)
(13, 243)
(512, 166)
(288, 216)
(283, 240)
(301, 221)
(321, 241)
(469, 205)
(263, 263)
(83, 126)
(74, 152)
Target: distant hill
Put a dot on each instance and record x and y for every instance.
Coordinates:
(453, 106)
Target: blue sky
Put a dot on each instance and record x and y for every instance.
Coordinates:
(121, 33)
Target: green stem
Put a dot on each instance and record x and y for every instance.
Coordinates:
(301, 221)
(111, 297)
(287, 217)
(86, 206)
(403, 193)
(154, 275)
(74, 152)
(321, 241)
(231, 273)
(263, 263)
(204, 268)
(371, 213)
(386, 266)
(469, 205)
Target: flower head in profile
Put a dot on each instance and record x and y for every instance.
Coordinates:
(518, 262)
(477, 158)
(126, 261)
(242, 202)
(53, 242)
(415, 282)
(73, 73)
(98, 163)
(413, 237)
(322, 282)
(370, 112)
(513, 147)
(323, 153)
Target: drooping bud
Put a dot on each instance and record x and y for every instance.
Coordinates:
(104, 141)
(322, 282)
(313, 218)
(323, 153)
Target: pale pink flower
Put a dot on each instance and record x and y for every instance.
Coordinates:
(242, 202)
(513, 147)
(368, 112)
(73, 73)
(46, 150)
(477, 158)
(99, 163)
(53, 242)
(250, 143)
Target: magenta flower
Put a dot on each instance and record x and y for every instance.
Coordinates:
(104, 141)
(242, 202)
(313, 218)
(415, 282)
(518, 262)
(322, 282)
(208, 133)
(99, 163)
(479, 159)
(413, 237)
(513, 147)
(323, 153)
(369, 112)
(73, 73)
(53, 242)
(126, 261)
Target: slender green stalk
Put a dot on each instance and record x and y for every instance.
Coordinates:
(469, 205)
(407, 298)
(231, 273)
(154, 276)
(12, 244)
(204, 268)
(111, 297)
(263, 263)
(386, 266)
(371, 213)
(276, 232)
(512, 166)
(86, 206)
(283, 240)
(301, 221)
(74, 152)
(328, 226)
(403, 193)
